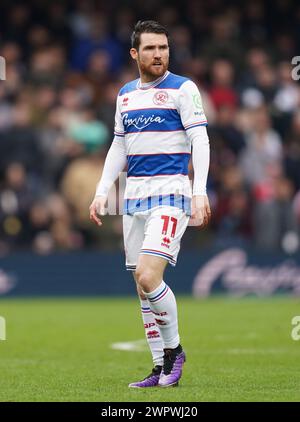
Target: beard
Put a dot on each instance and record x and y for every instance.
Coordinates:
(152, 72)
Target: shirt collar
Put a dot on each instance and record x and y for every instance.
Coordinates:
(152, 84)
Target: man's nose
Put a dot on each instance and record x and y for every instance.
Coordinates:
(157, 53)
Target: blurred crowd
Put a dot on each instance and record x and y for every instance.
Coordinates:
(65, 63)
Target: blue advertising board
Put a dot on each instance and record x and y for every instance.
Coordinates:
(233, 271)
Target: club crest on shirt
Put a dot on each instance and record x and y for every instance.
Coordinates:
(160, 97)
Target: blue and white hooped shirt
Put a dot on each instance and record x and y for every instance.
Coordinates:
(153, 121)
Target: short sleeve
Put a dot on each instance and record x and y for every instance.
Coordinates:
(190, 106)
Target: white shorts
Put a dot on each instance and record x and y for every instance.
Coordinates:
(157, 231)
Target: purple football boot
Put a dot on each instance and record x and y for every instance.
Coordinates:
(172, 369)
(150, 381)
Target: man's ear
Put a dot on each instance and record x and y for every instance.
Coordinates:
(133, 53)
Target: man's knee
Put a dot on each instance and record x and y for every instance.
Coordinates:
(146, 279)
(138, 288)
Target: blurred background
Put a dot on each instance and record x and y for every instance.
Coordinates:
(65, 63)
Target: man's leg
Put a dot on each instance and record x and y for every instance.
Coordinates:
(133, 239)
(164, 229)
(154, 340)
(152, 331)
(161, 299)
(162, 302)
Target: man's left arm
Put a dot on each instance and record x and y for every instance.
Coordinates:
(194, 121)
(201, 213)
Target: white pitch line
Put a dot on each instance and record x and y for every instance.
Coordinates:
(131, 346)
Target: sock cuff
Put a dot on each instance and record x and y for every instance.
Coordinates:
(157, 294)
(145, 308)
(144, 303)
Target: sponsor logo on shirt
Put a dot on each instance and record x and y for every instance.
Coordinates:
(197, 101)
(141, 121)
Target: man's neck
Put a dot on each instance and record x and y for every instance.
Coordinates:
(148, 79)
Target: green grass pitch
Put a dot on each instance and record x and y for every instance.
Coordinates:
(60, 350)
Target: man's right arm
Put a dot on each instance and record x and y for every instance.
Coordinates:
(114, 163)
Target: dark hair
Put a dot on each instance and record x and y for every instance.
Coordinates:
(149, 27)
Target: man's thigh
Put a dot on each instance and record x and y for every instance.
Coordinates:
(133, 232)
(164, 229)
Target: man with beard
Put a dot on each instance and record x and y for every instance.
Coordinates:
(159, 124)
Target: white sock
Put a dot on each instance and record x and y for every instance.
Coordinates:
(152, 334)
(162, 303)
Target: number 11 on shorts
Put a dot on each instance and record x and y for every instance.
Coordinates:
(167, 219)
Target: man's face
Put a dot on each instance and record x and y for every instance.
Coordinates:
(152, 56)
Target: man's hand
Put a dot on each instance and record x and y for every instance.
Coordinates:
(200, 211)
(97, 208)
